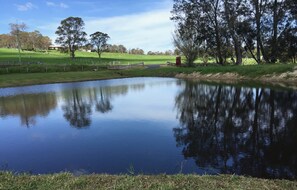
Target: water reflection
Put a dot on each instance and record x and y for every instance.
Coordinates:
(79, 103)
(238, 130)
(132, 122)
(27, 107)
(76, 110)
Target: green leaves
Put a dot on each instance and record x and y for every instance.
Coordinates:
(71, 34)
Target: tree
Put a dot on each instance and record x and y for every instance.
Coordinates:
(7, 41)
(136, 51)
(99, 40)
(204, 20)
(235, 14)
(262, 26)
(122, 49)
(16, 30)
(188, 44)
(71, 34)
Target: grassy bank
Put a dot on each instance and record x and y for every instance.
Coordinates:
(251, 71)
(68, 181)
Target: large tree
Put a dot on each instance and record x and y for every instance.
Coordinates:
(263, 27)
(203, 18)
(71, 34)
(99, 40)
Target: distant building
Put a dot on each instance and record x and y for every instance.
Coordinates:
(53, 47)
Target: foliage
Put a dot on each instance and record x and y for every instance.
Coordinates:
(136, 51)
(187, 42)
(260, 28)
(99, 40)
(71, 34)
(116, 48)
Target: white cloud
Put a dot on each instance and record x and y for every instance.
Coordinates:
(63, 5)
(25, 7)
(49, 3)
(52, 4)
(149, 30)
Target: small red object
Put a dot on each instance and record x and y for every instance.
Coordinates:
(178, 61)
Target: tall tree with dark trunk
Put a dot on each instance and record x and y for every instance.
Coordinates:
(71, 34)
(234, 11)
(99, 40)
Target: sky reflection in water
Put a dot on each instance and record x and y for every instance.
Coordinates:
(149, 125)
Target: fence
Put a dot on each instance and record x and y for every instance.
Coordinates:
(38, 67)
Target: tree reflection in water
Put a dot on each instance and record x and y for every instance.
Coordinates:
(28, 106)
(247, 131)
(79, 103)
(77, 111)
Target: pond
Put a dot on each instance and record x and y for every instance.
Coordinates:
(149, 126)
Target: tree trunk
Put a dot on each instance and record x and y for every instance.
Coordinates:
(72, 54)
(274, 38)
(238, 52)
(258, 26)
(218, 42)
(230, 18)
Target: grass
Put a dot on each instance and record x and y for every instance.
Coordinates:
(252, 71)
(54, 57)
(69, 181)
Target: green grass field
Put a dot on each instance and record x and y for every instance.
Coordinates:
(54, 57)
(10, 56)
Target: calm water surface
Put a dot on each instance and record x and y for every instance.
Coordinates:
(150, 126)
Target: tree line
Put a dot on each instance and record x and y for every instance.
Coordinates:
(264, 29)
(34, 41)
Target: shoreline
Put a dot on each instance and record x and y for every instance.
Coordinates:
(287, 80)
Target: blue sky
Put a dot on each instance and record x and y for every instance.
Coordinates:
(134, 23)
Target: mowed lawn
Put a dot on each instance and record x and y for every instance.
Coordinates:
(8, 56)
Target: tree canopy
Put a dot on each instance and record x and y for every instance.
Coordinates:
(262, 29)
(71, 34)
(99, 40)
